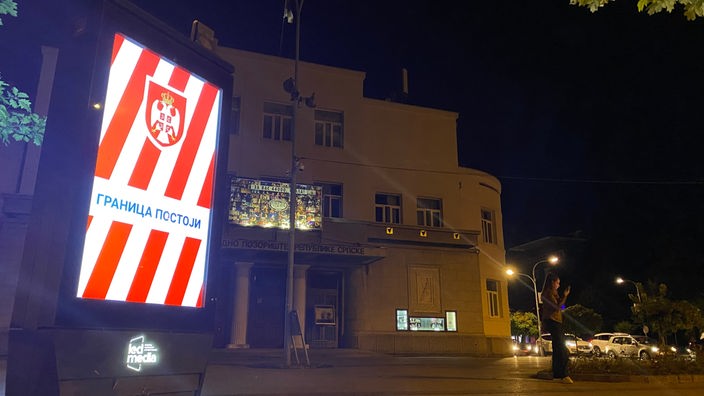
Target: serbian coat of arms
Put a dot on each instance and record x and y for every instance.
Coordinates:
(165, 113)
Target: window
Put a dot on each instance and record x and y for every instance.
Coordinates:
(429, 212)
(388, 208)
(332, 200)
(277, 121)
(488, 229)
(492, 293)
(235, 116)
(328, 128)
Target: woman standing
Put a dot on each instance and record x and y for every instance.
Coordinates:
(552, 322)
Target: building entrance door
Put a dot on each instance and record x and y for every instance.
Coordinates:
(265, 320)
(323, 302)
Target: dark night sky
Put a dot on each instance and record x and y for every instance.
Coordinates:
(591, 121)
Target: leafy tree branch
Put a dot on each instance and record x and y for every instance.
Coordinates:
(692, 8)
(18, 122)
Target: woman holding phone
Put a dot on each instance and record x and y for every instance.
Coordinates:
(552, 323)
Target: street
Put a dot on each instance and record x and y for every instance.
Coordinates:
(352, 372)
(364, 373)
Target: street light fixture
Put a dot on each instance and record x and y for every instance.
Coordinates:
(620, 281)
(552, 260)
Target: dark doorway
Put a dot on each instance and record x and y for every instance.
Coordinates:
(265, 322)
(323, 314)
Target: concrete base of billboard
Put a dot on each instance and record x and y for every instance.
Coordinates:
(105, 362)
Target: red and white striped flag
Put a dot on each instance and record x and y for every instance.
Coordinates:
(147, 234)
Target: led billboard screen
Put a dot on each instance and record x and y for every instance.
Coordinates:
(148, 227)
(266, 204)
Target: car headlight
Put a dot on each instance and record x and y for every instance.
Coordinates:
(515, 348)
(673, 349)
(654, 349)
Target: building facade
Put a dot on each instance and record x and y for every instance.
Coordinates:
(403, 250)
(407, 252)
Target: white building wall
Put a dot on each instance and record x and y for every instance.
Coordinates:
(388, 148)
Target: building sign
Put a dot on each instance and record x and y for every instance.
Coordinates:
(141, 353)
(266, 204)
(150, 209)
(426, 324)
(299, 247)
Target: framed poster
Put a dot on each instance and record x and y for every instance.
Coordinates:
(325, 315)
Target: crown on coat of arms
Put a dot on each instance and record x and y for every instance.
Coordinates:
(167, 98)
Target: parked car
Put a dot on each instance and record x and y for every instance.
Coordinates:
(600, 340)
(575, 345)
(620, 346)
(523, 348)
(660, 350)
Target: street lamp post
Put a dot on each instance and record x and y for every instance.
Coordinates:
(636, 308)
(293, 202)
(552, 260)
(620, 281)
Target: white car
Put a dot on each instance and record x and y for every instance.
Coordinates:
(626, 346)
(574, 344)
(600, 340)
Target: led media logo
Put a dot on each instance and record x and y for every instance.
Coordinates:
(139, 353)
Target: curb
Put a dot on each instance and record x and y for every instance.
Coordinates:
(646, 379)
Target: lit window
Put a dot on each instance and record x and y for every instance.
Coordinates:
(278, 119)
(388, 208)
(429, 212)
(492, 294)
(328, 128)
(488, 228)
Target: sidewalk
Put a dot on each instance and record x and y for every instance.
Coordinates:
(355, 372)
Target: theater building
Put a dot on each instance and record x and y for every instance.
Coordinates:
(398, 249)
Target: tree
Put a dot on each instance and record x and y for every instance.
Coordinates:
(17, 120)
(625, 326)
(692, 8)
(8, 7)
(524, 324)
(664, 316)
(582, 321)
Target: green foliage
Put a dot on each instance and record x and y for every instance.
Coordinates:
(625, 326)
(17, 121)
(8, 7)
(692, 8)
(524, 323)
(582, 321)
(663, 366)
(664, 316)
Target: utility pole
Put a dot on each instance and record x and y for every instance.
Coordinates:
(295, 95)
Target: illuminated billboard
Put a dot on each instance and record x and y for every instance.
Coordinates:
(266, 204)
(147, 235)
